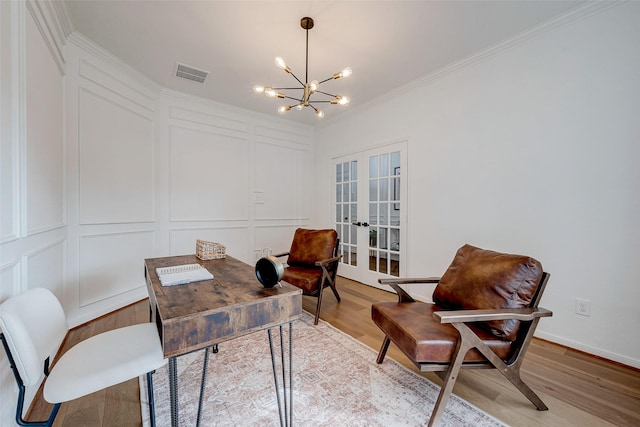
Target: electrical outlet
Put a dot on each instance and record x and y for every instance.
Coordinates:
(583, 307)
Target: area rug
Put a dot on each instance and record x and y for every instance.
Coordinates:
(336, 382)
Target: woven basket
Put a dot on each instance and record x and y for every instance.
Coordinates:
(209, 250)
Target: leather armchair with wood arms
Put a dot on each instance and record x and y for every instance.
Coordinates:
(484, 315)
(312, 263)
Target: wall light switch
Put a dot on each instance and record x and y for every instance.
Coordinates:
(258, 197)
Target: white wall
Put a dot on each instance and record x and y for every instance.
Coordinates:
(532, 150)
(32, 184)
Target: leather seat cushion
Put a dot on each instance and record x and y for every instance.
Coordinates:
(483, 279)
(304, 278)
(412, 328)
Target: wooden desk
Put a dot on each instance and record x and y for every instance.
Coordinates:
(202, 314)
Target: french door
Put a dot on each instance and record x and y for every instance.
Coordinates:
(370, 212)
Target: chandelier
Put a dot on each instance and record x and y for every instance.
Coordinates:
(308, 88)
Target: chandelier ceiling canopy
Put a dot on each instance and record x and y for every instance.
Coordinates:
(307, 87)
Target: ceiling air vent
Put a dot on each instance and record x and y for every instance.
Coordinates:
(190, 73)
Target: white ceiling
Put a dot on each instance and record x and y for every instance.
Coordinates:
(388, 44)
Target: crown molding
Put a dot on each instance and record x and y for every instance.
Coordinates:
(562, 21)
(84, 43)
(63, 17)
(50, 27)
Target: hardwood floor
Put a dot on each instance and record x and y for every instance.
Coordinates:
(580, 390)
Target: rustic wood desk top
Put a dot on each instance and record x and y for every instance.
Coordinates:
(234, 303)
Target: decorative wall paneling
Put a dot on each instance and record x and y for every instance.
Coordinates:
(235, 238)
(110, 264)
(11, 64)
(208, 175)
(33, 215)
(44, 267)
(233, 175)
(278, 238)
(114, 131)
(42, 148)
(112, 180)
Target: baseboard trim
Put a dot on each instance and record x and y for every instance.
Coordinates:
(592, 351)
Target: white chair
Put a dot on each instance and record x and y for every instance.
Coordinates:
(33, 326)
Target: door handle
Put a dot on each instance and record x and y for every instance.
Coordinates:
(360, 224)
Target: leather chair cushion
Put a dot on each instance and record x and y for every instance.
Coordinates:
(304, 278)
(309, 246)
(422, 338)
(483, 279)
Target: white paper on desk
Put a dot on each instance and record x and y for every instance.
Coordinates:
(182, 274)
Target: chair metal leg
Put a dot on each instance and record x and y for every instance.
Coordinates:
(21, 392)
(152, 406)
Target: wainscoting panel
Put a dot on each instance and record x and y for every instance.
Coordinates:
(111, 80)
(209, 176)
(300, 136)
(116, 148)
(112, 264)
(43, 143)
(277, 238)
(209, 119)
(283, 176)
(9, 280)
(44, 268)
(235, 239)
(9, 148)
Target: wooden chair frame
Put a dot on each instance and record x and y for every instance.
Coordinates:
(468, 340)
(328, 277)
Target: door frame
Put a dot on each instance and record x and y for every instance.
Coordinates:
(361, 272)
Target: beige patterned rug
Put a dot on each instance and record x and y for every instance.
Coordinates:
(336, 382)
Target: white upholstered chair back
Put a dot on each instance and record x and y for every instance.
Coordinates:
(34, 325)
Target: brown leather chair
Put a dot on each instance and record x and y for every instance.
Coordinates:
(484, 315)
(313, 263)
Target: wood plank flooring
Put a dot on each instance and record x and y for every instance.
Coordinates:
(580, 390)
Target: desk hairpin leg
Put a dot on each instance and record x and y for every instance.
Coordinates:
(173, 390)
(203, 381)
(173, 386)
(286, 418)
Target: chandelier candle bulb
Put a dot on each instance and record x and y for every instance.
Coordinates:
(344, 73)
(308, 88)
(281, 64)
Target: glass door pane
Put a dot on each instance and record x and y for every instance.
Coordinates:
(347, 210)
(384, 215)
